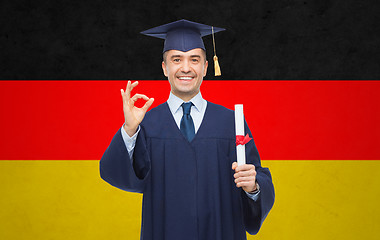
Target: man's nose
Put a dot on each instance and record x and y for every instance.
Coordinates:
(185, 66)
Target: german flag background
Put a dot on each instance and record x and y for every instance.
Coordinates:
(306, 71)
(320, 139)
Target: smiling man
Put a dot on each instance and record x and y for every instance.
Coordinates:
(185, 71)
(181, 154)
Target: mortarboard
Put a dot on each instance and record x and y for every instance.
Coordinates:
(184, 35)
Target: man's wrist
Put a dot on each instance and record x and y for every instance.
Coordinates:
(130, 132)
(256, 190)
(254, 195)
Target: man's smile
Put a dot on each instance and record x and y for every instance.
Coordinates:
(185, 78)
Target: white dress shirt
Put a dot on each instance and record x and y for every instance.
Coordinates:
(197, 111)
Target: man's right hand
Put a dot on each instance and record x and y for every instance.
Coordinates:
(133, 115)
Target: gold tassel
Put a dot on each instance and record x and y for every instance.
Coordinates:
(216, 66)
(216, 63)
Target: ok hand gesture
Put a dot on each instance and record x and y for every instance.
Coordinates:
(132, 114)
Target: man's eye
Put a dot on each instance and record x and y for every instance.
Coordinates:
(195, 60)
(176, 60)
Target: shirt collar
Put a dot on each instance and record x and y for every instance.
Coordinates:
(175, 102)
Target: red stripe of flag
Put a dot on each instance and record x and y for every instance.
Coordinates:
(313, 120)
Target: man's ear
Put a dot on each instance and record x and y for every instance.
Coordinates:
(205, 71)
(164, 69)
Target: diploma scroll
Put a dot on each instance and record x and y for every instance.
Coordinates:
(239, 127)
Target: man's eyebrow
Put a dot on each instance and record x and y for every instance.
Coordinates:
(179, 56)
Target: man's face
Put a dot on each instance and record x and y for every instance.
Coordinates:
(185, 71)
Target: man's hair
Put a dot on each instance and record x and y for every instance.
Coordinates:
(166, 53)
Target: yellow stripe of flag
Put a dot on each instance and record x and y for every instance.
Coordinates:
(67, 200)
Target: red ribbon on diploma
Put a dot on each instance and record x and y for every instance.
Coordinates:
(242, 140)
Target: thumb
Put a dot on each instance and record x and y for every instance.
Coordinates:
(234, 165)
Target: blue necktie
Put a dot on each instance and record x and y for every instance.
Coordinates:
(187, 124)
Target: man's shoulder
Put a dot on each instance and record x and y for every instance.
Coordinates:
(161, 107)
(219, 109)
(218, 116)
(159, 123)
(158, 110)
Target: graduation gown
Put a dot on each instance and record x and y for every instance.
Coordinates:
(188, 187)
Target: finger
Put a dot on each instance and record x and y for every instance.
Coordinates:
(245, 184)
(245, 174)
(138, 96)
(245, 167)
(123, 94)
(124, 97)
(245, 179)
(133, 85)
(234, 165)
(148, 104)
(128, 90)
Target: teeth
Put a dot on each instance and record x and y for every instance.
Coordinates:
(185, 78)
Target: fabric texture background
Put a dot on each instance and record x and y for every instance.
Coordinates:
(101, 40)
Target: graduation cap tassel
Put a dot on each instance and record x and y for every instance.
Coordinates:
(216, 66)
(216, 63)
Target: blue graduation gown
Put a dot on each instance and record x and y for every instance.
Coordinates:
(188, 187)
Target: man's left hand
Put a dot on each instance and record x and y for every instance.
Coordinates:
(245, 176)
